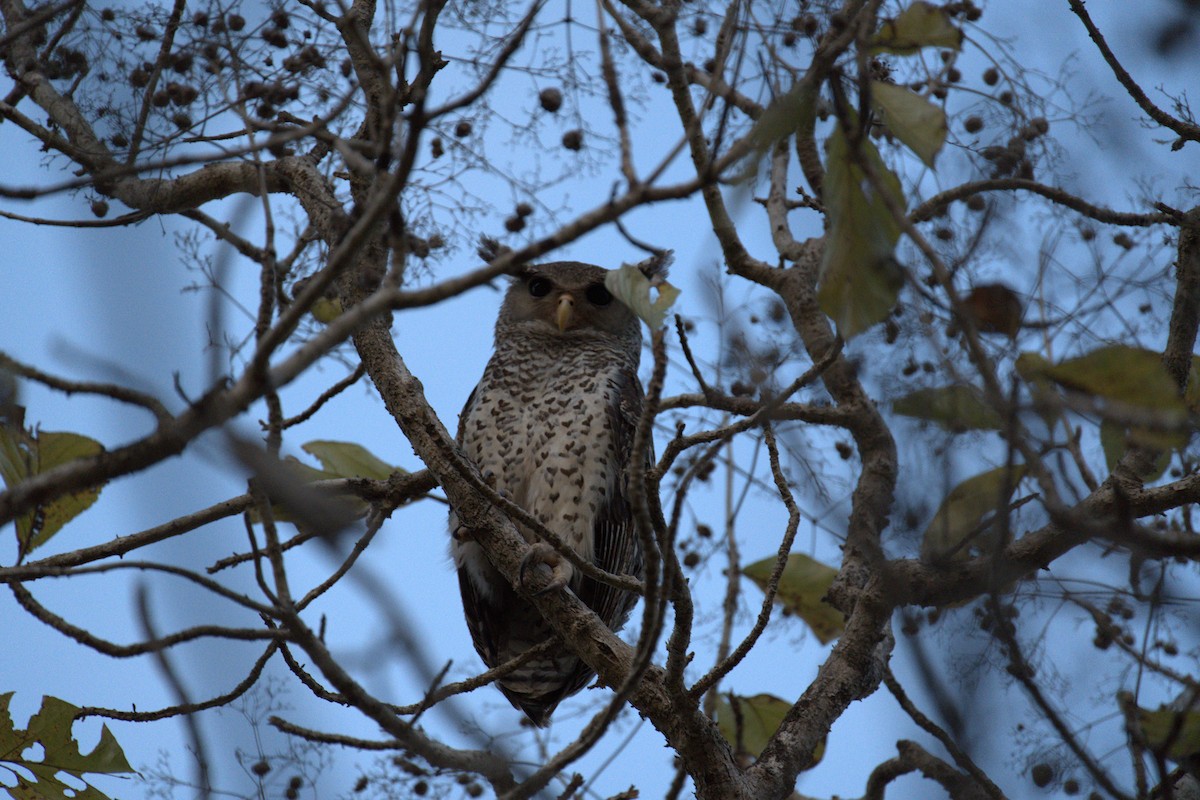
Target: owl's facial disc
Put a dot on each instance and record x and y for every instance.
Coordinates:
(564, 314)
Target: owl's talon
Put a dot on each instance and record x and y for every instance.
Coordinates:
(543, 555)
(491, 479)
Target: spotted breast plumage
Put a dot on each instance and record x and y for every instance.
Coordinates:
(551, 427)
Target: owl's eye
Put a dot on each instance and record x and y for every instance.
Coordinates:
(540, 287)
(597, 295)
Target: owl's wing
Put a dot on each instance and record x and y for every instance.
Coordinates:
(616, 547)
(462, 415)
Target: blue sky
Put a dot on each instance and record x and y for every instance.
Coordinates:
(107, 304)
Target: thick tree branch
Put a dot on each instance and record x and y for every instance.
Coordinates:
(1185, 316)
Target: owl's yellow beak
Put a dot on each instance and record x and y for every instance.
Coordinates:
(565, 314)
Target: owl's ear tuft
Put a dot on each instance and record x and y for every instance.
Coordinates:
(520, 273)
(657, 265)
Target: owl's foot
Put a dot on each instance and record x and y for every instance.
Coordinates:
(492, 480)
(542, 558)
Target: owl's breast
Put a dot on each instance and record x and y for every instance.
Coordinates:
(546, 438)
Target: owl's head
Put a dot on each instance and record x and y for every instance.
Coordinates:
(566, 298)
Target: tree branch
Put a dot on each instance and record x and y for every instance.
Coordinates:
(1186, 129)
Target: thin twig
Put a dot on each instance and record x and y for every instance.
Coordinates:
(342, 739)
(117, 392)
(164, 50)
(1020, 668)
(931, 207)
(681, 330)
(327, 395)
(108, 648)
(959, 755)
(612, 84)
(725, 665)
(182, 698)
(37, 18)
(1186, 129)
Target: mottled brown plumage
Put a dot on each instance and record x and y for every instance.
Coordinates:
(551, 426)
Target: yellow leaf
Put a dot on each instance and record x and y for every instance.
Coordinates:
(802, 589)
(860, 278)
(963, 522)
(59, 753)
(348, 460)
(1115, 439)
(957, 407)
(1130, 375)
(636, 291)
(748, 723)
(785, 115)
(1174, 734)
(914, 120)
(25, 453)
(920, 25)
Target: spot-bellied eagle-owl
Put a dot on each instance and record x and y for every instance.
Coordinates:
(551, 427)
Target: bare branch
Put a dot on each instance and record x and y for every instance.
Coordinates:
(218, 701)
(723, 668)
(912, 758)
(182, 697)
(108, 648)
(1186, 129)
(123, 394)
(931, 207)
(960, 757)
(327, 395)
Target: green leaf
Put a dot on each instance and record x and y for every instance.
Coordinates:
(860, 278)
(1115, 439)
(25, 453)
(957, 408)
(920, 25)
(634, 289)
(1127, 379)
(1125, 374)
(51, 728)
(914, 120)
(306, 473)
(748, 723)
(963, 521)
(784, 115)
(55, 449)
(1174, 734)
(802, 588)
(338, 460)
(14, 456)
(347, 460)
(326, 309)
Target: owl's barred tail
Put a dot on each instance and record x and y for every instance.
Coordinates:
(504, 627)
(537, 687)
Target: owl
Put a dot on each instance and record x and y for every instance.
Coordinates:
(550, 426)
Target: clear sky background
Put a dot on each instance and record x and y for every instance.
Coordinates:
(115, 305)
